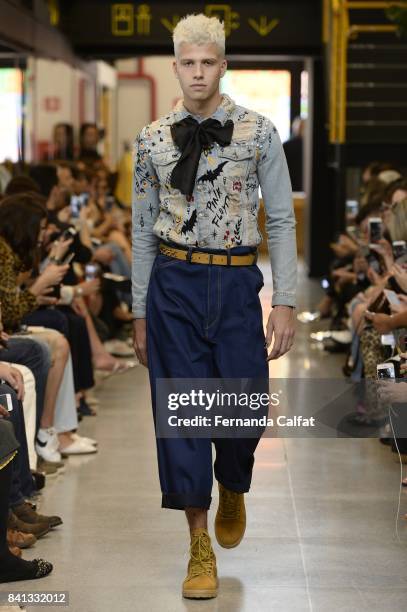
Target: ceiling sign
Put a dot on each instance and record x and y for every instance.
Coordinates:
(117, 27)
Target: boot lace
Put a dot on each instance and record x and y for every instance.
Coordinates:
(229, 506)
(202, 557)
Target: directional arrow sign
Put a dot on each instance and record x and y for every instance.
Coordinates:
(170, 25)
(263, 26)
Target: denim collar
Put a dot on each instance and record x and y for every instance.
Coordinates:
(222, 113)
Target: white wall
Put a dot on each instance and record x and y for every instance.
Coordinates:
(52, 97)
(130, 98)
(168, 89)
(133, 96)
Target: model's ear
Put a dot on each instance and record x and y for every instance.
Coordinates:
(174, 67)
(223, 68)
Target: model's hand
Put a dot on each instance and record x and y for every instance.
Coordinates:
(281, 326)
(3, 412)
(140, 340)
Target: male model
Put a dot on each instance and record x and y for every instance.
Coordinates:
(195, 279)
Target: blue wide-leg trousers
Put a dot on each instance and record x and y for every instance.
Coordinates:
(204, 321)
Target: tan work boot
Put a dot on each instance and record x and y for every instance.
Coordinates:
(230, 521)
(202, 580)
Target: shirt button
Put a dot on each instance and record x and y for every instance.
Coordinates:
(202, 242)
(200, 214)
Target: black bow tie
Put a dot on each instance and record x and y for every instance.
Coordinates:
(191, 137)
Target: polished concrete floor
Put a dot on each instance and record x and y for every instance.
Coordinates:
(321, 533)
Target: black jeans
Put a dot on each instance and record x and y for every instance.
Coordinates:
(73, 327)
(22, 484)
(5, 483)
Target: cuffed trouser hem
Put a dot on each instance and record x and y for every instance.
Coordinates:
(233, 486)
(180, 501)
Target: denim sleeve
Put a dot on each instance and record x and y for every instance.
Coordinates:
(145, 209)
(274, 179)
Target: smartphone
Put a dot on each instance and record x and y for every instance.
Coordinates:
(77, 203)
(352, 207)
(56, 292)
(109, 203)
(374, 262)
(91, 271)
(392, 297)
(399, 248)
(6, 401)
(69, 233)
(402, 260)
(385, 370)
(75, 206)
(375, 230)
(68, 259)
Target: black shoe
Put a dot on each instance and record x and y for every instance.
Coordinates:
(84, 408)
(14, 569)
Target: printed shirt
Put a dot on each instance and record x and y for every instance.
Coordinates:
(223, 210)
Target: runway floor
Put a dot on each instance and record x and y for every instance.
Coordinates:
(321, 532)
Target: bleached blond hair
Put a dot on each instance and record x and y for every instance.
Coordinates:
(199, 30)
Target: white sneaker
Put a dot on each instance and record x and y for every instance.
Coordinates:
(91, 441)
(78, 447)
(46, 445)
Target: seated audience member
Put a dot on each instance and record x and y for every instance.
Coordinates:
(12, 567)
(62, 142)
(22, 224)
(89, 137)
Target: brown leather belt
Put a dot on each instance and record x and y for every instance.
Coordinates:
(209, 258)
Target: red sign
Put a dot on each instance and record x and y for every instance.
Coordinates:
(52, 103)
